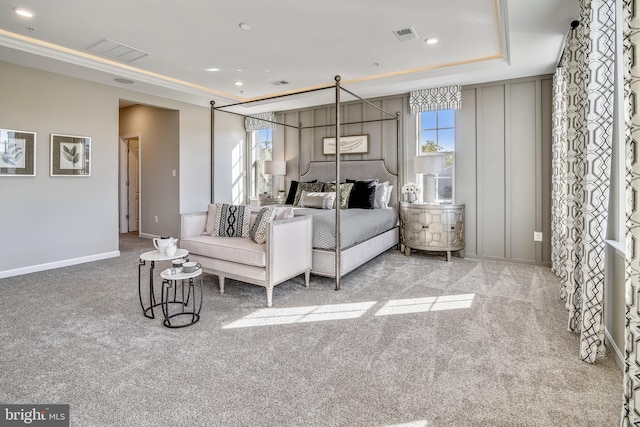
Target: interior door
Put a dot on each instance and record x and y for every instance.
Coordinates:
(133, 186)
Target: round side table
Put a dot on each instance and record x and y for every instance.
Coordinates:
(152, 257)
(183, 308)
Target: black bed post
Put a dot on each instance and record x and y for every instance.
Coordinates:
(338, 204)
(213, 103)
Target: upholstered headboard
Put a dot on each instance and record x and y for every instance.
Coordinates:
(353, 169)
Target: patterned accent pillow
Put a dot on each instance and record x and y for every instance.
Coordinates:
(345, 191)
(293, 189)
(306, 186)
(259, 230)
(232, 220)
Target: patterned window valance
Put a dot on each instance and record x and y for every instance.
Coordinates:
(257, 121)
(436, 98)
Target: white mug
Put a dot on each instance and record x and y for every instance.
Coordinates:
(177, 263)
(171, 250)
(190, 267)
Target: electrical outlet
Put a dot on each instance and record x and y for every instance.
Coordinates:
(537, 236)
(155, 218)
(173, 172)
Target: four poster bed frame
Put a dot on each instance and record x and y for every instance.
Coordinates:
(338, 262)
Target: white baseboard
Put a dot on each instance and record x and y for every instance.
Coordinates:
(611, 344)
(57, 264)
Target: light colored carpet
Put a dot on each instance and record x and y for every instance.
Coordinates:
(478, 343)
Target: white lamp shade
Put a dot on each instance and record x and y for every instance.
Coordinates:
(275, 167)
(432, 163)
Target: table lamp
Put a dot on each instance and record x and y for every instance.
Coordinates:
(275, 168)
(429, 165)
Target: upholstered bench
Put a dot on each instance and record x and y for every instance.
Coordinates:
(285, 253)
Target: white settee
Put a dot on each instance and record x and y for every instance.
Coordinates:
(285, 254)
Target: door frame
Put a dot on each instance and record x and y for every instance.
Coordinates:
(123, 194)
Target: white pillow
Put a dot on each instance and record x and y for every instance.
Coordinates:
(283, 213)
(381, 200)
(212, 210)
(389, 188)
(317, 200)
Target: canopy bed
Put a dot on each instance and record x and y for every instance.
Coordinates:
(368, 232)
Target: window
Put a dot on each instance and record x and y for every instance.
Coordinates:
(261, 146)
(436, 134)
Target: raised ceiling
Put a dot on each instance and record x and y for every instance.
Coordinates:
(304, 44)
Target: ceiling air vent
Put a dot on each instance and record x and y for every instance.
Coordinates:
(116, 50)
(405, 34)
(280, 82)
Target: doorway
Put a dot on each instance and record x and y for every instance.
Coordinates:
(130, 184)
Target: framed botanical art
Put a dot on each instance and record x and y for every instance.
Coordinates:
(70, 155)
(355, 144)
(17, 153)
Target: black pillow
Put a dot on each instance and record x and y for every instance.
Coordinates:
(291, 195)
(363, 194)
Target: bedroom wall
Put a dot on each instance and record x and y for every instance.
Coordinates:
(382, 134)
(159, 155)
(49, 222)
(503, 160)
(503, 169)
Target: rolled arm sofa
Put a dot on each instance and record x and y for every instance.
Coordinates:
(286, 253)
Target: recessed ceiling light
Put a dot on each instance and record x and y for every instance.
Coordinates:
(24, 12)
(431, 40)
(237, 83)
(245, 26)
(213, 69)
(267, 71)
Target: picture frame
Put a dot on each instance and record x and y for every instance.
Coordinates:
(353, 144)
(17, 153)
(70, 155)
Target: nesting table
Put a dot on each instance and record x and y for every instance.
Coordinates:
(182, 309)
(152, 257)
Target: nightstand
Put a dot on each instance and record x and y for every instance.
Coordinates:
(264, 200)
(432, 227)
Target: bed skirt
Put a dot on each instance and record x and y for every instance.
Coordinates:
(355, 256)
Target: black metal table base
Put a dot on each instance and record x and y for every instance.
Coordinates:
(147, 310)
(185, 307)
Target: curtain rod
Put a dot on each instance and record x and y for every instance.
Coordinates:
(574, 25)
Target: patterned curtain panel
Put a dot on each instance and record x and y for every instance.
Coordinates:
(560, 229)
(434, 99)
(631, 405)
(583, 90)
(257, 121)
